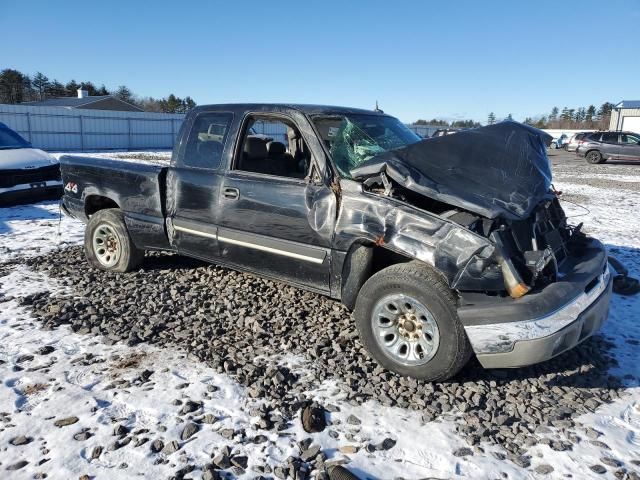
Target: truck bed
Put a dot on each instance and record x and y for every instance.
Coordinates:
(136, 186)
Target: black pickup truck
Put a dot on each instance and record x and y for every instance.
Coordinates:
(443, 247)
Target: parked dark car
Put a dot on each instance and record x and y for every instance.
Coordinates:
(443, 247)
(599, 147)
(26, 173)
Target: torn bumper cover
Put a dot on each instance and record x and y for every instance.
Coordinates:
(498, 170)
(513, 333)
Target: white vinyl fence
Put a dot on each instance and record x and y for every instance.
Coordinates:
(58, 128)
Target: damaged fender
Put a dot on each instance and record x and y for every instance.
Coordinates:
(467, 260)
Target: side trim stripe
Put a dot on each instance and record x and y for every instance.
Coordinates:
(277, 251)
(194, 232)
(319, 259)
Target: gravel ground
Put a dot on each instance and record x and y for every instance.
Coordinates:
(245, 322)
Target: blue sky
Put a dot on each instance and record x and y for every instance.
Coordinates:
(419, 59)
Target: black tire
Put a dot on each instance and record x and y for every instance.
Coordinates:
(422, 283)
(128, 256)
(594, 157)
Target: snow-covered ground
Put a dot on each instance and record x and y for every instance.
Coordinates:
(52, 375)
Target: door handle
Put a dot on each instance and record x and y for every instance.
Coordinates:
(231, 193)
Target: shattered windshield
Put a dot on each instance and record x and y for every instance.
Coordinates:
(353, 139)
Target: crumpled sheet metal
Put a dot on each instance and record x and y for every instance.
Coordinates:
(461, 255)
(498, 170)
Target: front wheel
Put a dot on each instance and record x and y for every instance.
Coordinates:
(107, 243)
(407, 320)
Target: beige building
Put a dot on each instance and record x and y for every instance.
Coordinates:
(625, 116)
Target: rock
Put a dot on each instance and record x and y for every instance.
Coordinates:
(544, 469)
(387, 444)
(310, 453)
(348, 449)
(17, 465)
(611, 462)
(189, 431)
(209, 418)
(353, 420)
(313, 419)
(45, 350)
(96, 452)
(63, 422)
(240, 461)
(190, 406)
(597, 468)
(120, 430)
(20, 440)
(463, 452)
(157, 445)
(171, 447)
(221, 461)
(83, 435)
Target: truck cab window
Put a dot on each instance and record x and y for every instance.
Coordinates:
(206, 140)
(273, 146)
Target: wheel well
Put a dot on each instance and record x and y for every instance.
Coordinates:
(95, 203)
(361, 263)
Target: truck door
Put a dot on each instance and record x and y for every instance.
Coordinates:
(276, 215)
(193, 185)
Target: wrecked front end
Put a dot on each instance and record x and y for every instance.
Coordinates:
(480, 208)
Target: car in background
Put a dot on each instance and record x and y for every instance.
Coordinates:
(599, 147)
(26, 173)
(441, 132)
(574, 141)
(559, 142)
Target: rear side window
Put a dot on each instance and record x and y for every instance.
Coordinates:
(610, 137)
(594, 137)
(206, 140)
(629, 138)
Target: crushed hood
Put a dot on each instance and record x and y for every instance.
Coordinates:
(498, 170)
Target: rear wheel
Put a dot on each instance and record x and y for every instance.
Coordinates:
(406, 317)
(107, 243)
(594, 156)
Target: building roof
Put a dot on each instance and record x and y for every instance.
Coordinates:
(76, 102)
(628, 104)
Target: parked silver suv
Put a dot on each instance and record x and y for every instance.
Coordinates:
(574, 141)
(599, 147)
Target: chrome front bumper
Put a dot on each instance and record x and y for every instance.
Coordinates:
(525, 342)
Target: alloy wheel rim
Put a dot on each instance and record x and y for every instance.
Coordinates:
(106, 245)
(405, 330)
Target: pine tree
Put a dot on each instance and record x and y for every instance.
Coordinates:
(491, 119)
(102, 90)
(554, 114)
(55, 89)
(14, 86)
(590, 114)
(509, 118)
(72, 88)
(40, 82)
(124, 94)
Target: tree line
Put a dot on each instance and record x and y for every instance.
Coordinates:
(436, 122)
(589, 118)
(18, 87)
